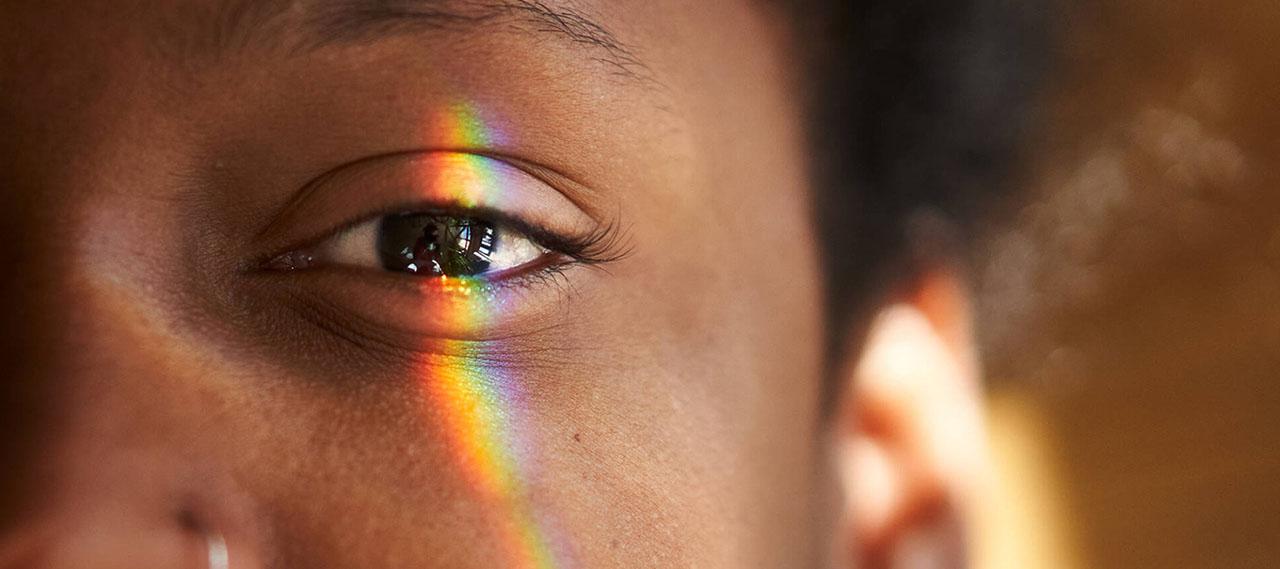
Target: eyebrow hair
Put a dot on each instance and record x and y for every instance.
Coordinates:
(239, 23)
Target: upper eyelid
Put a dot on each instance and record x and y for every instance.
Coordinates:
(572, 189)
(435, 180)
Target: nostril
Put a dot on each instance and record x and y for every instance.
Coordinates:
(134, 530)
(222, 519)
(105, 542)
(215, 543)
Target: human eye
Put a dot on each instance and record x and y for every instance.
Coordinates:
(445, 244)
(404, 241)
(447, 215)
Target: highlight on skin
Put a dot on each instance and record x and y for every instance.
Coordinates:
(480, 405)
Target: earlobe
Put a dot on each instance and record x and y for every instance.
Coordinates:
(911, 442)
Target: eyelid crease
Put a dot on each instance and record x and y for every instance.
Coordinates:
(573, 190)
(410, 182)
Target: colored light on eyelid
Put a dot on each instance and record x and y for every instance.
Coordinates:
(482, 406)
(466, 179)
(469, 177)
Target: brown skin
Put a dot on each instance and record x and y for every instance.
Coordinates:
(164, 388)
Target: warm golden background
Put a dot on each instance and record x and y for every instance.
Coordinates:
(1131, 303)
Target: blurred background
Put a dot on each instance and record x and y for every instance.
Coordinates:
(1131, 299)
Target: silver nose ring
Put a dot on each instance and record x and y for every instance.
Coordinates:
(218, 555)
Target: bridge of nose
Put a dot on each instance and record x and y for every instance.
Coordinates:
(114, 457)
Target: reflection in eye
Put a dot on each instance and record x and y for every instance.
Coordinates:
(433, 245)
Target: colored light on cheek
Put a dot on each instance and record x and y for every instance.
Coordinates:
(476, 420)
(481, 407)
(481, 415)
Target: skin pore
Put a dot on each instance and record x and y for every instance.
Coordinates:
(649, 399)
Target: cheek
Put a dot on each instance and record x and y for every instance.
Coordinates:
(717, 326)
(713, 339)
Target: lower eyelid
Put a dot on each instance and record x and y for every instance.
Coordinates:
(417, 308)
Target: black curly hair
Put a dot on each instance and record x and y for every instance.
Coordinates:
(914, 106)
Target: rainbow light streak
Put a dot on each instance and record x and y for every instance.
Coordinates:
(482, 407)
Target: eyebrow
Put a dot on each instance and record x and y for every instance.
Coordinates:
(325, 23)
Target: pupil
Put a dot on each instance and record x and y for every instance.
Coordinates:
(436, 245)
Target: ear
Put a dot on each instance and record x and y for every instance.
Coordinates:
(910, 440)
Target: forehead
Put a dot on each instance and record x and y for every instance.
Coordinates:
(611, 33)
(590, 49)
(582, 81)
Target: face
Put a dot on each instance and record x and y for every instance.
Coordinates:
(407, 284)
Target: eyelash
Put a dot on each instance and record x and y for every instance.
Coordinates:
(600, 247)
(603, 246)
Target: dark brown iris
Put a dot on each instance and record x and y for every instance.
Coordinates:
(436, 245)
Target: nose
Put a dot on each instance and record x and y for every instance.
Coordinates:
(134, 512)
(110, 440)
